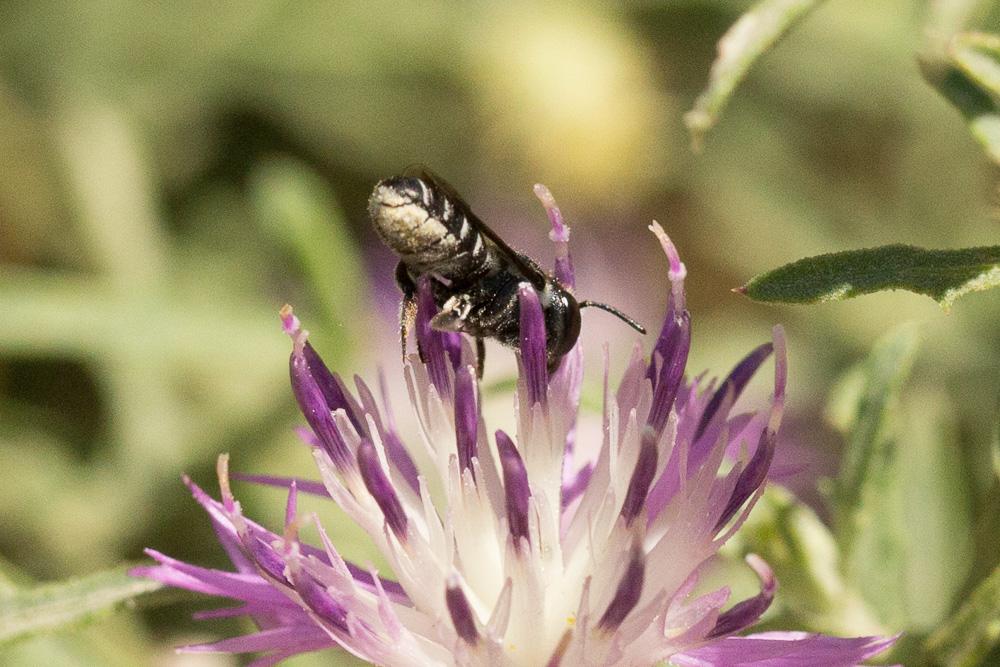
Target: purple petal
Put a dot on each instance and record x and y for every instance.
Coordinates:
(676, 310)
(555, 660)
(702, 448)
(381, 488)
(673, 347)
(300, 637)
(756, 470)
(663, 347)
(642, 477)
(236, 585)
(227, 535)
(439, 350)
(515, 486)
(392, 588)
(533, 356)
(466, 417)
(337, 396)
(318, 392)
(395, 450)
(750, 477)
(744, 614)
(232, 612)
(309, 486)
(559, 236)
(628, 593)
(574, 485)
(318, 599)
(257, 544)
(737, 380)
(223, 528)
(785, 649)
(780, 378)
(461, 612)
(630, 387)
(674, 342)
(307, 437)
(316, 410)
(740, 427)
(677, 271)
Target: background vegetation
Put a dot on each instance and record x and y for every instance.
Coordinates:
(172, 174)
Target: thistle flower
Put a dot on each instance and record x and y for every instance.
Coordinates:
(516, 549)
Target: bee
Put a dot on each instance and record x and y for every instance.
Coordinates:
(474, 274)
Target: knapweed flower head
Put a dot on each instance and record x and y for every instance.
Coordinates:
(517, 548)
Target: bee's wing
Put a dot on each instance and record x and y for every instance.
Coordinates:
(528, 268)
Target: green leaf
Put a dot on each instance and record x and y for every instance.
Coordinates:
(902, 501)
(934, 505)
(969, 635)
(869, 443)
(56, 605)
(967, 74)
(945, 18)
(996, 443)
(746, 41)
(977, 54)
(943, 275)
(295, 205)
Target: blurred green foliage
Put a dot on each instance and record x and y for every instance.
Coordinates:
(174, 173)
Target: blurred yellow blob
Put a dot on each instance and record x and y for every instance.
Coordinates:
(569, 96)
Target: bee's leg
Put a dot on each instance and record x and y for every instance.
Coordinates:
(480, 357)
(453, 315)
(408, 309)
(407, 315)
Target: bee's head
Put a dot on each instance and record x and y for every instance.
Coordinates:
(562, 323)
(402, 191)
(405, 213)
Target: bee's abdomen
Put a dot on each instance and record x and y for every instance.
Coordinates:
(425, 228)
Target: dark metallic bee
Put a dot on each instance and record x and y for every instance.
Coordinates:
(474, 274)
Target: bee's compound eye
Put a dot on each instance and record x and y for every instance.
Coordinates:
(564, 328)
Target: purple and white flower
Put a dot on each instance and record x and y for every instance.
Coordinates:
(517, 548)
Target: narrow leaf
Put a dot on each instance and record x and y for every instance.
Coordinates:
(968, 636)
(978, 55)
(943, 275)
(297, 207)
(996, 443)
(968, 76)
(902, 502)
(746, 41)
(869, 444)
(945, 18)
(935, 507)
(51, 606)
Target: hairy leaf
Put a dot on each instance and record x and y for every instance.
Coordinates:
(51, 606)
(943, 275)
(746, 41)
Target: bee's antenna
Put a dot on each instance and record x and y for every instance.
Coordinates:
(617, 313)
